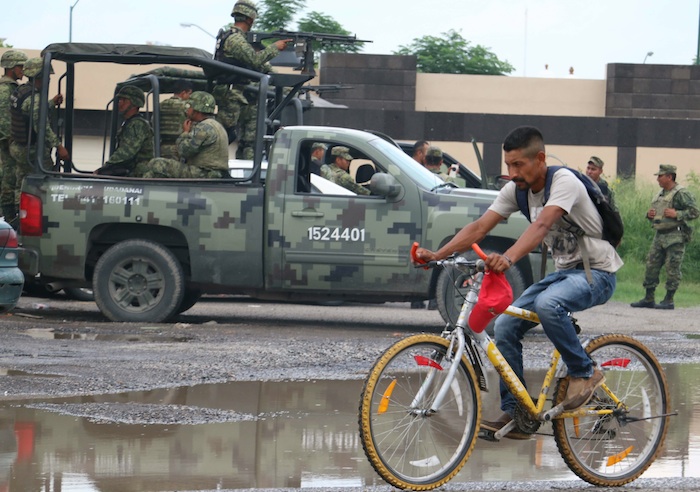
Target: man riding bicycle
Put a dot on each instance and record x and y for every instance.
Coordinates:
(570, 288)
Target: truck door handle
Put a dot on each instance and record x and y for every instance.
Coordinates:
(307, 213)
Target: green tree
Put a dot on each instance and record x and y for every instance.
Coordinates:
(322, 23)
(274, 15)
(451, 53)
(4, 44)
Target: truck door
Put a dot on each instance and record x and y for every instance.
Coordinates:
(336, 239)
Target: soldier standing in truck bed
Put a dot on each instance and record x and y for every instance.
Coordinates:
(232, 47)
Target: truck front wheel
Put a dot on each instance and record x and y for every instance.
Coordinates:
(450, 290)
(138, 281)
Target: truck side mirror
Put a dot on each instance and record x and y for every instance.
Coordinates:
(385, 185)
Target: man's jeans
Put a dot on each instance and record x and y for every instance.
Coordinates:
(552, 298)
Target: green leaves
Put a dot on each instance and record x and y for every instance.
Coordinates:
(451, 53)
(274, 15)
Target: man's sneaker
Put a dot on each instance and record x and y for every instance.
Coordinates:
(581, 390)
(664, 305)
(498, 425)
(432, 305)
(417, 305)
(644, 303)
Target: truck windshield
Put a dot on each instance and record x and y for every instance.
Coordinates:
(420, 175)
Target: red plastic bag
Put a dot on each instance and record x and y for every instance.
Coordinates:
(494, 297)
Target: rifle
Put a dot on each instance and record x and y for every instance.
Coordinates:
(303, 44)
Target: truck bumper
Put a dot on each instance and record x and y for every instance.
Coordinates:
(28, 262)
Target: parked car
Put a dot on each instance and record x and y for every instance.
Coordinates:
(11, 277)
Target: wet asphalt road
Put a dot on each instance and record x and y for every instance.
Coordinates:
(237, 339)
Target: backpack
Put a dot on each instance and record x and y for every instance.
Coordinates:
(613, 228)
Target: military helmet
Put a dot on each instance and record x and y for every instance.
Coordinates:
(132, 94)
(12, 58)
(245, 7)
(33, 67)
(202, 101)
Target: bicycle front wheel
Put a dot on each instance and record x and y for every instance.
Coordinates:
(409, 445)
(614, 449)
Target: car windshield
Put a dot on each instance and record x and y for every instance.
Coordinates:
(419, 174)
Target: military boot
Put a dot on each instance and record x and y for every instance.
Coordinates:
(667, 303)
(647, 302)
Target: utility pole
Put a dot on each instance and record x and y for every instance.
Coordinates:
(70, 22)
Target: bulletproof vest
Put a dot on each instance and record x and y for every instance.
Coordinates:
(19, 123)
(219, 54)
(172, 115)
(661, 203)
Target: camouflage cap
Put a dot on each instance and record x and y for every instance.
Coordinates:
(12, 58)
(202, 101)
(434, 152)
(132, 94)
(33, 67)
(318, 145)
(666, 169)
(245, 7)
(343, 152)
(596, 161)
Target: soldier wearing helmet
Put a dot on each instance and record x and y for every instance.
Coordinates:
(25, 104)
(13, 63)
(232, 47)
(134, 139)
(203, 145)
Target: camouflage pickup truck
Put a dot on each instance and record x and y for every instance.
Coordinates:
(150, 248)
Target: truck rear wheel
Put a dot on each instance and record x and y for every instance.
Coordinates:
(138, 281)
(450, 290)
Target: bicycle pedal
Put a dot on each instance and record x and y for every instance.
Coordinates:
(487, 435)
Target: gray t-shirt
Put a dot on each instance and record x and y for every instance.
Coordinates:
(569, 194)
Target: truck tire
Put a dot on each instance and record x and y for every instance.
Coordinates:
(189, 299)
(138, 281)
(450, 298)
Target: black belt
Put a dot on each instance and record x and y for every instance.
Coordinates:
(668, 231)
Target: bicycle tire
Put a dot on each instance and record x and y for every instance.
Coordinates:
(616, 449)
(407, 448)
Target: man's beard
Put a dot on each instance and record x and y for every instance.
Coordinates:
(521, 183)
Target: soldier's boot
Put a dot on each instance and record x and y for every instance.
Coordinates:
(667, 303)
(647, 302)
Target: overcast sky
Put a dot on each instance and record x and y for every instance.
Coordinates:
(585, 35)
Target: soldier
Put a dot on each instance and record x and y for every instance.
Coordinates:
(203, 145)
(172, 116)
(13, 63)
(670, 210)
(134, 139)
(433, 162)
(594, 170)
(318, 153)
(419, 150)
(24, 108)
(232, 47)
(338, 171)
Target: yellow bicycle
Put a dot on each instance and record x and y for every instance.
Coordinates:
(420, 406)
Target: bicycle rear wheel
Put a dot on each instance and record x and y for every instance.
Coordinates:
(408, 446)
(612, 450)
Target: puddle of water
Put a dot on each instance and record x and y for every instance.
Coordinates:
(271, 434)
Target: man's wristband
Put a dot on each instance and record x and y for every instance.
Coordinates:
(510, 262)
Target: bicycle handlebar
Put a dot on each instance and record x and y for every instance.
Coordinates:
(454, 259)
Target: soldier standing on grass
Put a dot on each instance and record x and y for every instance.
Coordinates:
(594, 170)
(670, 210)
(13, 63)
(232, 47)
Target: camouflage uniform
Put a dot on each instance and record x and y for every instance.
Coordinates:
(433, 162)
(234, 107)
(134, 146)
(339, 176)
(7, 169)
(204, 149)
(668, 245)
(172, 115)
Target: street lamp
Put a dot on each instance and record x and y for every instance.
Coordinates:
(649, 53)
(70, 22)
(188, 24)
